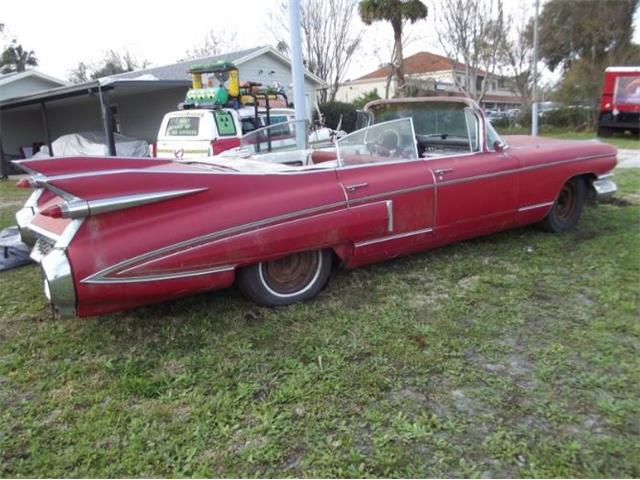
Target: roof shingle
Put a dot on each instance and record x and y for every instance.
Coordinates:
(420, 62)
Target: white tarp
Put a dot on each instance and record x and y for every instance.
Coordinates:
(94, 144)
(13, 252)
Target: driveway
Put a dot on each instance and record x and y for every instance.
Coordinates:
(628, 158)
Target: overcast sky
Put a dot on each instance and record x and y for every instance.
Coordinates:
(65, 32)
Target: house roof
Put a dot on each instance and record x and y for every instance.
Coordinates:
(179, 70)
(421, 62)
(17, 76)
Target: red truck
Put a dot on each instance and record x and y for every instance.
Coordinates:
(620, 102)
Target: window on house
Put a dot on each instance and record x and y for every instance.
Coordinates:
(479, 81)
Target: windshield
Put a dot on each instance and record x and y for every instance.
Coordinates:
(384, 142)
(442, 128)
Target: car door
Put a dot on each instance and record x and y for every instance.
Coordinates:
(476, 192)
(399, 180)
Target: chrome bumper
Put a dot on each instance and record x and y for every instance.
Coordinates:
(604, 187)
(58, 283)
(24, 217)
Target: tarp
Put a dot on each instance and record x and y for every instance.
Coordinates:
(13, 252)
(94, 144)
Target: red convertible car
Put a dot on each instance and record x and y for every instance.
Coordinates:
(116, 233)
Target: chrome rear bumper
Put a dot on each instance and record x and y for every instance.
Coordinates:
(604, 187)
(24, 217)
(58, 283)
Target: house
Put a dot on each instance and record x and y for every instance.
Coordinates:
(19, 84)
(131, 103)
(443, 75)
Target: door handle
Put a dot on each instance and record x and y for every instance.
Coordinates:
(441, 171)
(356, 186)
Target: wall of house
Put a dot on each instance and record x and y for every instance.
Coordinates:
(82, 115)
(20, 128)
(348, 92)
(25, 86)
(140, 115)
(268, 69)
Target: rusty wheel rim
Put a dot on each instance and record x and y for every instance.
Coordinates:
(566, 203)
(292, 275)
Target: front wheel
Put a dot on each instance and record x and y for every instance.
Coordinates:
(287, 280)
(567, 208)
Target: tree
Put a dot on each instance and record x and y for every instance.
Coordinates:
(591, 30)
(582, 38)
(518, 50)
(330, 38)
(80, 74)
(365, 97)
(396, 12)
(473, 33)
(16, 59)
(112, 63)
(215, 42)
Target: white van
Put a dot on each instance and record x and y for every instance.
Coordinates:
(197, 133)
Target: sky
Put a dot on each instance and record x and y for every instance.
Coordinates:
(64, 32)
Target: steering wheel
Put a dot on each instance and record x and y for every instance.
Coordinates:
(386, 143)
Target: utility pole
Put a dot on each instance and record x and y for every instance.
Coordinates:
(534, 104)
(297, 73)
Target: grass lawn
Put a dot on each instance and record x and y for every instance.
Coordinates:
(618, 140)
(510, 355)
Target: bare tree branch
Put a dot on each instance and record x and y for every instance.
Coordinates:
(329, 38)
(215, 42)
(473, 32)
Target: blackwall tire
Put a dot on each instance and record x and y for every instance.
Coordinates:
(295, 278)
(567, 208)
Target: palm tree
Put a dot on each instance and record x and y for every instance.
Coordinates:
(397, 12)
(17, 59)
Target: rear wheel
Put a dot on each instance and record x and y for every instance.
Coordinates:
(567, 208)
(287, 280)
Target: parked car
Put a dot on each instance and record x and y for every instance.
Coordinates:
(620, 101)
(116, 233)
(496, 115)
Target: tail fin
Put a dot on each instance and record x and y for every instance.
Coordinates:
(68, 165)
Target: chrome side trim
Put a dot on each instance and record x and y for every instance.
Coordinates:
(102, 274)
(81, 208)
(389, 215)
(393, 237)
(533, 207)
(154, 278)
(391, 192)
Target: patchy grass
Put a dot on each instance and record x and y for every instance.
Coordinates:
(618, 140)
(510, 355)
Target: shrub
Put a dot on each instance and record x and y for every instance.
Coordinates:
(578, 118)
(332, 111)
(361, 100)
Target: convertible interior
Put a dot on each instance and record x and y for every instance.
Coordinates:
(397, 131)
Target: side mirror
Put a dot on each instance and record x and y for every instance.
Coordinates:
(498, 146)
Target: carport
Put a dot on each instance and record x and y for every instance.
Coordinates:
(133, 107)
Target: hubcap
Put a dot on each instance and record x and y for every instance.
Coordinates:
(566, 203)
(292, 275)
